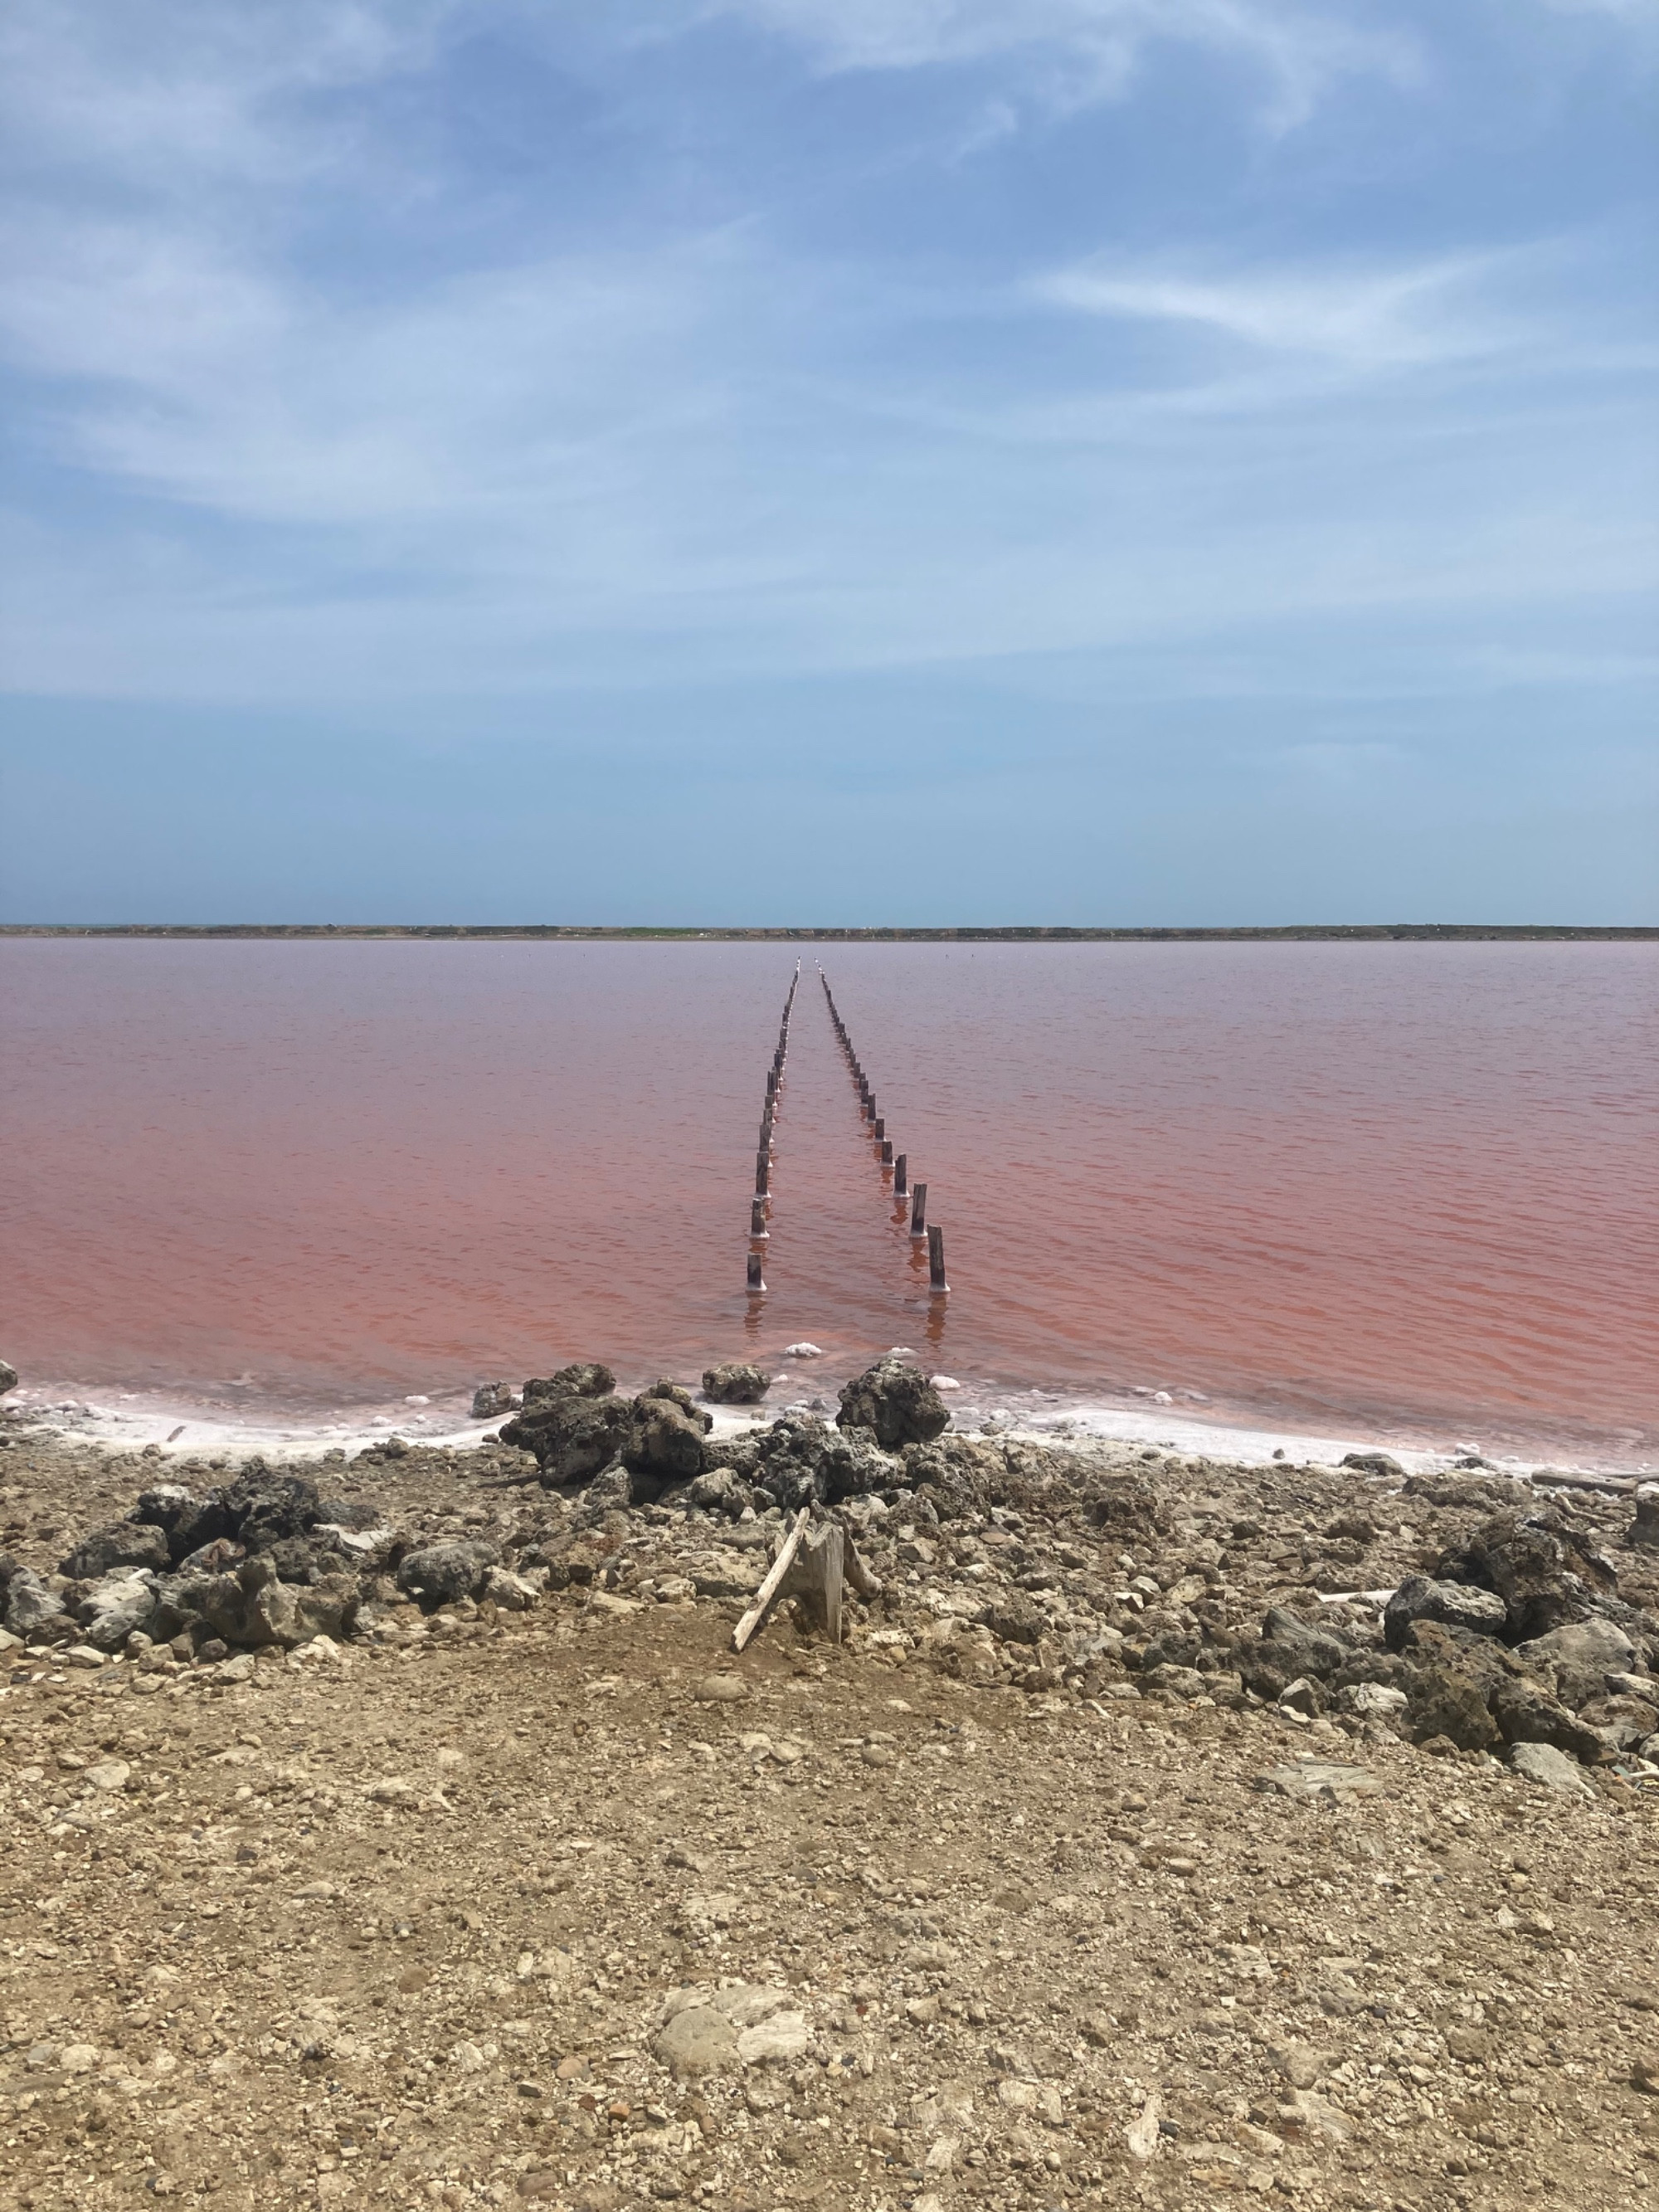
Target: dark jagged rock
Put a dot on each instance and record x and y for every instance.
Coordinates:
(1536, 1564)
(957, 1478)
(123, 1544)
(584, 1379)
(1528, 1714)
(665, 1437)
(720, 1491)
(572, 1435)
(1127, 1507)
(1319, 1650)
(1643, 1530)
(8, 1377)
(491, 1399)
(1445, 1703)
(894, 1400)
(736, 1383)
(267, 1507)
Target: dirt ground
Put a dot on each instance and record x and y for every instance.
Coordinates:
(402, 1925)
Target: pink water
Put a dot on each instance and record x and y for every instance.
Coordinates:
(1408, 1187)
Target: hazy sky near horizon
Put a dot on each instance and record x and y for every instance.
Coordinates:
(834, 460)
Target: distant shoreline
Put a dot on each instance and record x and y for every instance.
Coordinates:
(1017, 933)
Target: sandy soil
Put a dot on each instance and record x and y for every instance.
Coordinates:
(401, 1925)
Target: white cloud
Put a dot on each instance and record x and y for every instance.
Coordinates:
(1361, 317)
(1071, 53)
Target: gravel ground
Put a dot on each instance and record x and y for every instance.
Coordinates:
(570, 1905)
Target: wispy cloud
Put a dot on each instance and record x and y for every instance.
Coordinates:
(1071, 53)
(1386, 317)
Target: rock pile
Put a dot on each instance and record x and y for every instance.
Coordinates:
(1461, 1613)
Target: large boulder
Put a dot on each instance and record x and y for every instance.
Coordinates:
(1453, 1605)
(583, 1378)
(573, 1437)
(1443, 1702)
(442, 1574)
(123, 1544)
(1643, 1530)
(664, 1438)
(269, 1508)
(737, 1382)
(1544, 1573)
(1527, 1713)
(8, 1377)
(1317, 1648)
(894, 1400)
(188, 1522)
(1577, 1660)
(491, 1399)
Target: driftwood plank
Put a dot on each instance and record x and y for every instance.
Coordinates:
(769, 1589)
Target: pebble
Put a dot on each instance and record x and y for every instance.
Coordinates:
(878, 1754)
(720, 1690)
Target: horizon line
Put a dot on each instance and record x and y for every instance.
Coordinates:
(1009, 932)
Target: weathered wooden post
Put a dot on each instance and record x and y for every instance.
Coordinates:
(762, 1164)
(886, 1150)
(901, 1172)
(919, 1211)
(757, 1228)
(880, 1127)
(756, 1281)
(936, 1282)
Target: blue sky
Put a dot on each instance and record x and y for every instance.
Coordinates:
(907, 460)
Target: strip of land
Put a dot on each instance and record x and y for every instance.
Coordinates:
(1013, 934)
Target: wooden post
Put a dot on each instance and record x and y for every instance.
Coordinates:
(757, 1227)
(762, 1164)
(919, 1211)
(886, 1150)
(757, 1282)
(880, 1128)
(771, 1081)
(901, 1172)
(936, 1281)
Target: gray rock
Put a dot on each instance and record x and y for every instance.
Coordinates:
(1578, 1658)
(1542, 1568)
(443, 1573)
(736, 1383)
(664, 1438)
(30, 1606)
(1372, 1700)
(1316, 1649)
(894, 1400)
(1643, 1530)
(8, 1377)
(491, 1399)
(720, 1491)
(123, 1544)
(119, 1606)
(1455, 1605)
(1310, 1780)
(697, 2040)
(1543, 1763)
(1374, 1462)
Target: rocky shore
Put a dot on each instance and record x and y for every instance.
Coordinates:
(403, 1826)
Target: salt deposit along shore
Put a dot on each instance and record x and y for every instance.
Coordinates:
(400, 1825)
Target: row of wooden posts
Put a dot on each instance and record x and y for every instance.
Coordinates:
(761, 1205)
(920, 1227)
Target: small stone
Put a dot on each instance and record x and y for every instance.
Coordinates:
(697, 2040)
(83, 1656)
(721, 1689)
(785, 2036)
(923, 2010)
(877, 1754)
(241, 1668)
(1644, 2072)
(109, 1774)
(1142, 2132)
(1098, 2030)
(572, 2069)
(802, 1351)
(79, 2058)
